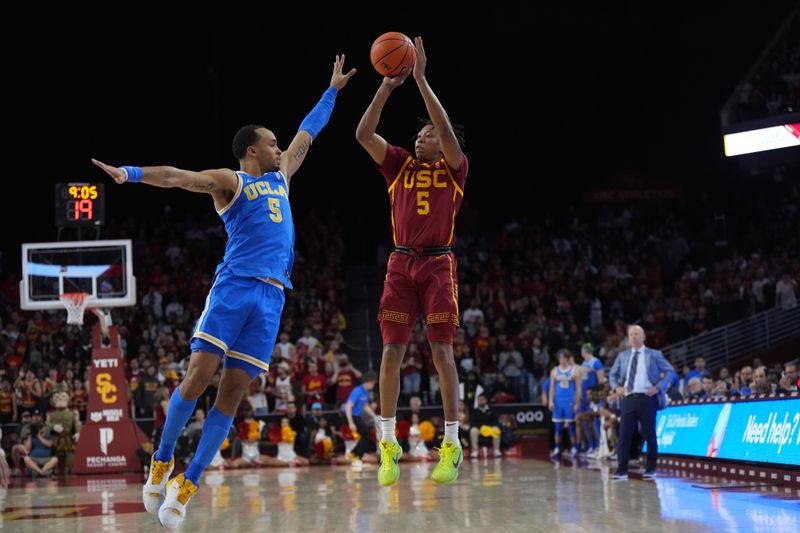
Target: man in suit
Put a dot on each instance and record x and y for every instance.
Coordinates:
(641, 377)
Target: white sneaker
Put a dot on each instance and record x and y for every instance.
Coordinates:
(173, 510)
(155, 487)
(357, 465)
(498, 453)
(473, 455)
(574, 451)
(556, 452)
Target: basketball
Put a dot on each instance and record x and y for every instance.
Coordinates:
(392, 53)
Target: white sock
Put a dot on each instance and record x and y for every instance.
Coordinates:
(451, 432)
(387, 429)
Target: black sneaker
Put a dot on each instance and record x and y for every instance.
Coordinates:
(649, 475)
(620, 477)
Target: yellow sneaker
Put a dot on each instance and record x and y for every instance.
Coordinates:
(450, 458)
(389, 471)
(156, 484)
(172, 512)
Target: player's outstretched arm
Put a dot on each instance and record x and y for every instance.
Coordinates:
(373, 143)
(219, 183)
(450, 147)
(314, 122)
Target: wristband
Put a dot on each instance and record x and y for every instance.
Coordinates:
(135, 174)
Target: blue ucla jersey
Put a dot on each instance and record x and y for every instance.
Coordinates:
(589, 378)
(260, 228)
(565, 384)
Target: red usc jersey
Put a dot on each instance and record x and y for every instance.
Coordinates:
(425, 198)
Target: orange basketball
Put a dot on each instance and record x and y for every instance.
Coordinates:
(392, 53)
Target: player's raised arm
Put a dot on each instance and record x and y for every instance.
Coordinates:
(373, 143)
(220, 183)
(450, 147)
(314, 122)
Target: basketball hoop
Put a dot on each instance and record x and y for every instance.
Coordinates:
(75, 303)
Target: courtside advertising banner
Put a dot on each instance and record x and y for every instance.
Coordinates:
(757, 431)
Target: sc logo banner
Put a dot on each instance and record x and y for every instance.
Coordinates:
(105, 388)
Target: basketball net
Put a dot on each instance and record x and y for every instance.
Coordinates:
(75, 304)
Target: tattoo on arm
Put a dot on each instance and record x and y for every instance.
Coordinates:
(301, 150)
(209, 186)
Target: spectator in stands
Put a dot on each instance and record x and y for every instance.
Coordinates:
(48, 387)
(513, 368)
(283, 387)
(699, 371)
(307, 339)
(145, 392)
(743, 381)
(29, 388)
(472, 317)
(725, 375)
(207, 399)
(785, 292)
(314, 416)
(313, 384)
(411, 369)
(721, 390)
(345, 378)
(484, 422)
(709, 387)
(8, 403)
(298, 423)
(257, 398)
(695, 389)
(789, 379)
(773, 378)
(18, 451)
(284, 348)
(193, 431)
(760, 383)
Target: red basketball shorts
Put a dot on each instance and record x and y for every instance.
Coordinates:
(419, 284)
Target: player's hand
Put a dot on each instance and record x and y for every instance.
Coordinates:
(397, 81)
(339, 80)
(421, 61)
(120, 175)
(353, 427)
(621, 391)
(652, 391)
(551, 406)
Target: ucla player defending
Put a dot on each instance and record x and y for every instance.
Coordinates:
(242, 313)
(425, 193)
(565, 396)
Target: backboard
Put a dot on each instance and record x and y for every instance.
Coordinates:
(103, 269)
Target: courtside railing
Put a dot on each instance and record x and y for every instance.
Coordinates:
(739, 339)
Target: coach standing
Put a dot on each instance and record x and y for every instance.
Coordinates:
(641, 377)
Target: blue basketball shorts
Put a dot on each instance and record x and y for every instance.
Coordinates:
(563, 410)
(240, 321)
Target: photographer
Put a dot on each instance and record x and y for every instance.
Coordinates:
(39, 446)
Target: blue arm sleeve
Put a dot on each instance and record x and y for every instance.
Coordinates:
(318, 117)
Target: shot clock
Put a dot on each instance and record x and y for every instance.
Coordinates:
(80, 204)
